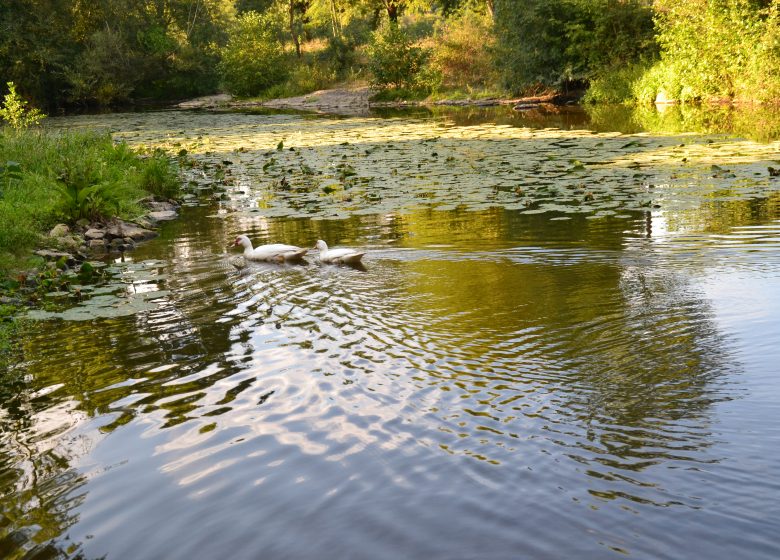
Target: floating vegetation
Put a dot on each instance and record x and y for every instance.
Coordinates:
(126, 289)
(327, 168)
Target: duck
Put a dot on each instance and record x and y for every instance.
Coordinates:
(338, 256)
(276, 252)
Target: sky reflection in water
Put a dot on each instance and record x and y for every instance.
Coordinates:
(495, 384)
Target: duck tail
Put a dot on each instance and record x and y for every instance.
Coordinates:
(296, 255)
(353, 259)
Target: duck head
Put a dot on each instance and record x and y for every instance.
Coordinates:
(244, 241)
(321, 246)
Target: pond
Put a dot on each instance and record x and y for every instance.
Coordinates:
(563, 344)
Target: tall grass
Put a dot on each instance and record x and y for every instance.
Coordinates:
(67, 176)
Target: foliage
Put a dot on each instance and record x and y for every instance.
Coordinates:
(394, 60)
(49, 176)
(105, 52)
(84, 193)
(253, 59)
(105, 71)
(157, 177)
(715, 50)
(464, 49)
(302, 79)
(108, 51)
(617, 85)
(15, 112)
(546, 44)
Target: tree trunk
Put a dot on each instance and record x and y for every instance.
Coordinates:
(293, 33)
(392, 10)
(335, 20)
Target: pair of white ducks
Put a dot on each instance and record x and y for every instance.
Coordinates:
(279, 252)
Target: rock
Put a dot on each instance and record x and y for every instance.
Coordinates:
(60, 230)
(122, 229)
(163, 215)
(68, 242)
(94, 234)
(97, 245)
(238, 261)
(164, 206)
(52, 255)
(145, 223)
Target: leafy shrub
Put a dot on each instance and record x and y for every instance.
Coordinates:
(549, 43)
(304, 77)
(85, 190)
(463, 51)
(394, 60)
(106, 72)
(253, 59)
(158, 178)
(15, 112)
(615, 86)
(340, 51)
(715, 50)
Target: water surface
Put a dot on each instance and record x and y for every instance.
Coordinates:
(563, 345)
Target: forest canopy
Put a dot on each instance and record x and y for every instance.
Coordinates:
(109, 52)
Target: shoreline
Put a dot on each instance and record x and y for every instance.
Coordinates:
(357, 102)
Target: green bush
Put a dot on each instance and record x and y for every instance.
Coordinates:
(394, 60)
(15, 112)
(157, 177)
(552, 43)
(715, 50)
(464, 49)
(253, 59)
(70, 175)
(340, 52)
(616, 86)
(304, 77)
(106, 71)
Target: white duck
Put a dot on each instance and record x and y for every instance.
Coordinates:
(277, 252)
(338, 256)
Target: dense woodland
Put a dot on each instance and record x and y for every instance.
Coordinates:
(63, 53)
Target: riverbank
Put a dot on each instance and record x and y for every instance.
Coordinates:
(77, 179)
(358, 102)
(66, 200)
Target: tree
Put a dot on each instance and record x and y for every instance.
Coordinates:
(253, 59)
(15, 112)
(552, 43)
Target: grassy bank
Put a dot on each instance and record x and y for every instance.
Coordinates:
(48, 178)
(51, 177)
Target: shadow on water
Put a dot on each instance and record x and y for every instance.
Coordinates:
(494, 384)
(757, 122)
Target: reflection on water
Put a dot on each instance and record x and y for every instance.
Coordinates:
(758, 122)
(495, 384)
